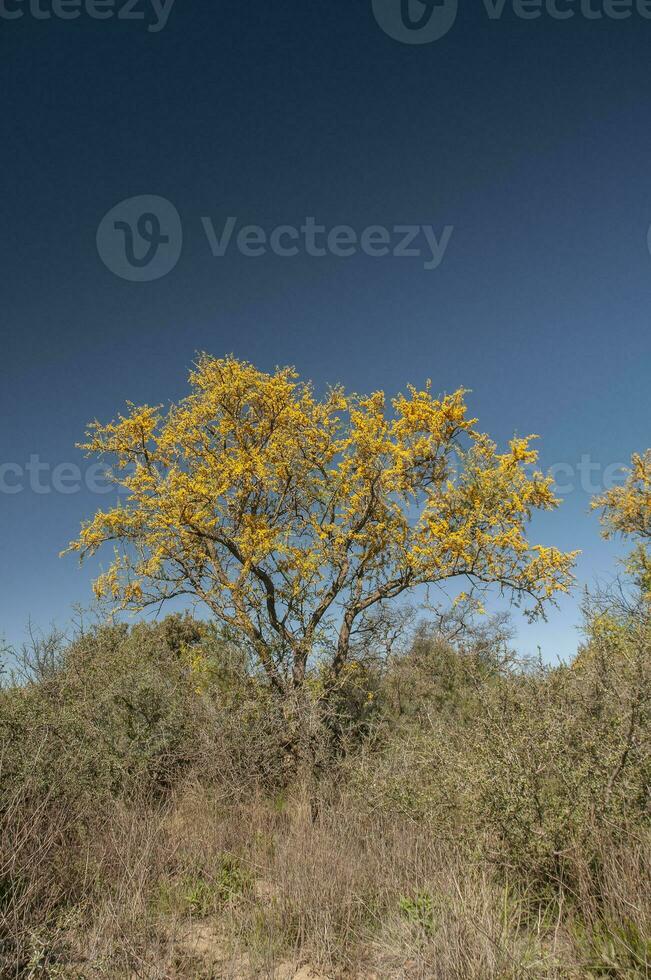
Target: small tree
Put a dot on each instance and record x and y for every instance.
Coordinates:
(626, 510)
(295, 518)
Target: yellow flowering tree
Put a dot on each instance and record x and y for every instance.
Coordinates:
(294, 518)
(626, 510)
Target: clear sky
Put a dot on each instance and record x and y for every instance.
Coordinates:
(528, 139)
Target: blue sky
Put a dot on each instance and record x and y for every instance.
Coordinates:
(530, 139)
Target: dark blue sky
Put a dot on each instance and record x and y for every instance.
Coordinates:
(531, 138)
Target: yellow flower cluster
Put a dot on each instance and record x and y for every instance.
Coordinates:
(626, 510)
(289, 514)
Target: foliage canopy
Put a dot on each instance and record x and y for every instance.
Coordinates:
(626, 510)
(293, 517)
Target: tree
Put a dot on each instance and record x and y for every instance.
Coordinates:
(626, 510)
(294, 519)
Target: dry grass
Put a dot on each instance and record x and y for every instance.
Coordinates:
(204, 887)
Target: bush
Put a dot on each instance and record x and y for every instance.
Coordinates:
(524, 766)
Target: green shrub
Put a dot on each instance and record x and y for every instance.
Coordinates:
(418, 910)
(131, 711)
(203, 892)
(524, 767)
